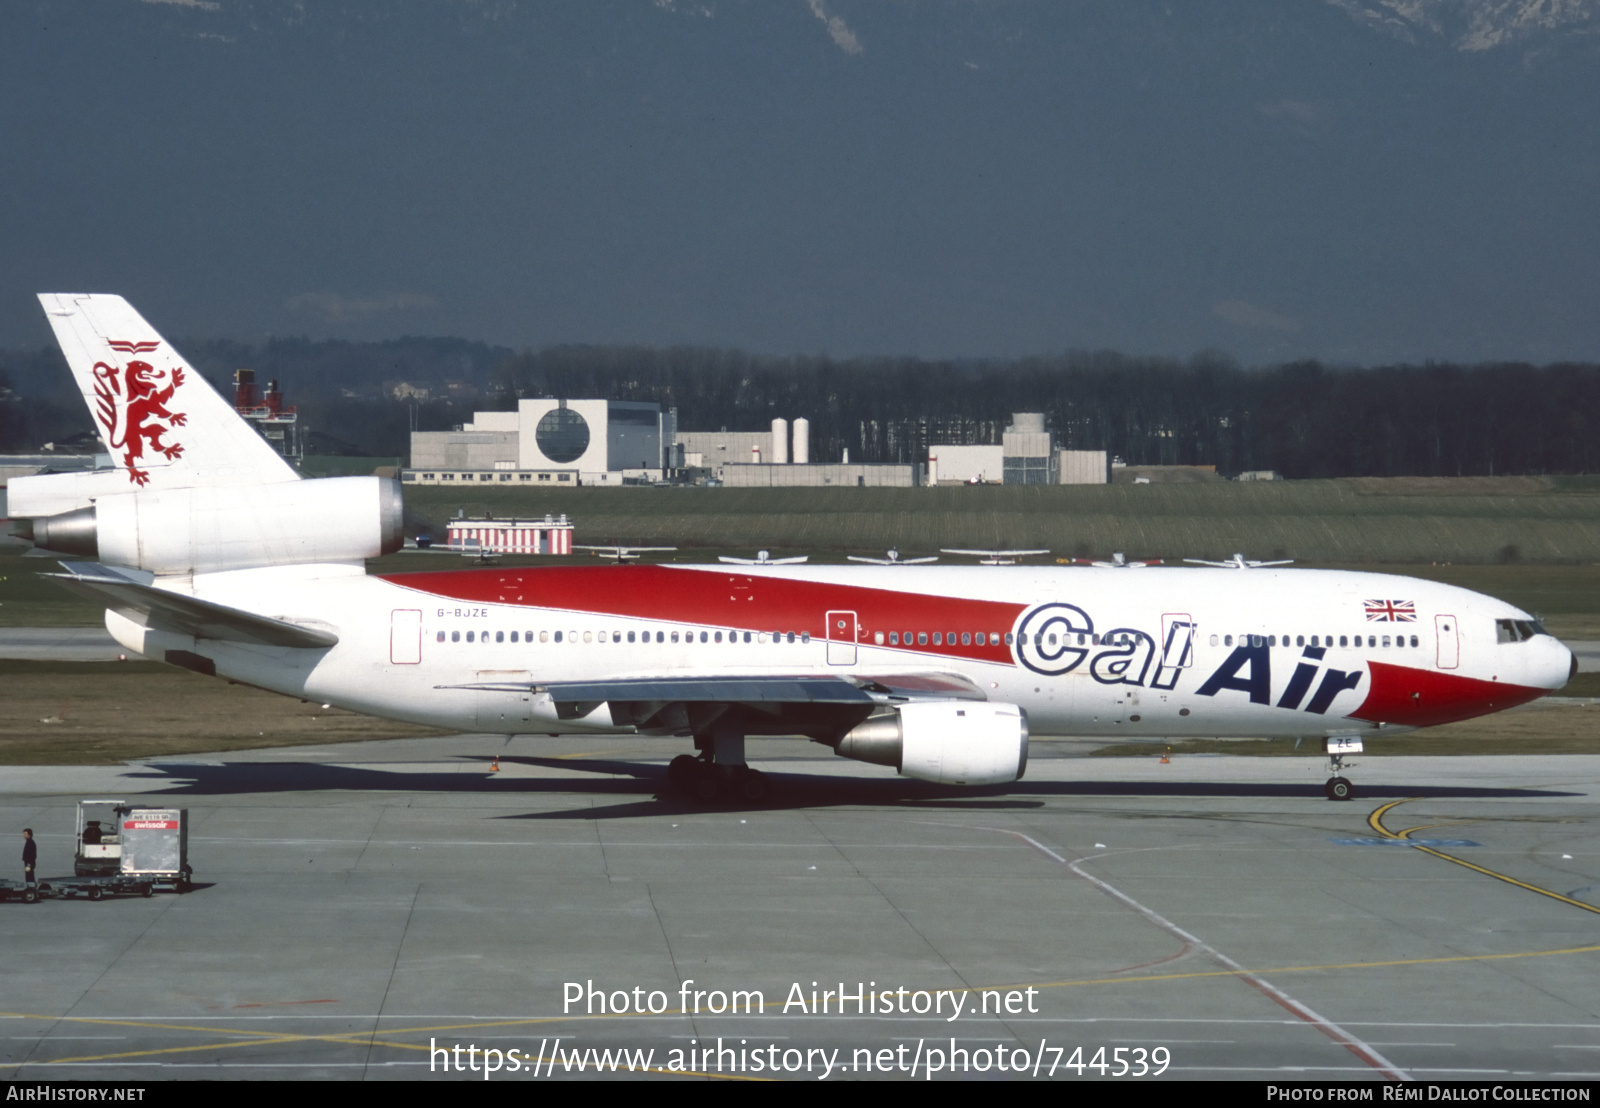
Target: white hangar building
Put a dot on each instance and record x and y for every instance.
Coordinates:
(547, 442)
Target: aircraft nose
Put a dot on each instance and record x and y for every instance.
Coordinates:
(1557, 666)
(1551, 663)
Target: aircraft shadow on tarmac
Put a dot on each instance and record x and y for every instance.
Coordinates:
(641, 788)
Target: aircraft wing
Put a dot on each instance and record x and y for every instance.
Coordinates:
(158, 608)
(820, 689)
(651, 702)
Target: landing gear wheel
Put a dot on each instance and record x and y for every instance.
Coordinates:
(751, 785)
(681, 771)
(30, 896)
(705, 787)
(1339, 788)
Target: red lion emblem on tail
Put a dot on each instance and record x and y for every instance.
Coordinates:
(131, 405)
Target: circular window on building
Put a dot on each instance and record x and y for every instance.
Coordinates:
(562, 435)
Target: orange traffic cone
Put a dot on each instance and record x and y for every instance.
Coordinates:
(1166, 756)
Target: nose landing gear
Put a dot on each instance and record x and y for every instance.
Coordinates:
(1338, 786)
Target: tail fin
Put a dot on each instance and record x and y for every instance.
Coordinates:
(164, 427)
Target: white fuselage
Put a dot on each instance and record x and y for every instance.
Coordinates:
(1157, 652)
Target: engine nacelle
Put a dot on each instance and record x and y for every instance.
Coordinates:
(950, 742)
(217, 527)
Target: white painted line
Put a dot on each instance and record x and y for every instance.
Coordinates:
(1338, 1034)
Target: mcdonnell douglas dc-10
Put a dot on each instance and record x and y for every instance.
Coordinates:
(209, 552)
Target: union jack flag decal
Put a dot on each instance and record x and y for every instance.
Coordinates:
(1391, 611)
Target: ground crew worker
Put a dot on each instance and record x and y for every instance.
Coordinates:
(30, 854)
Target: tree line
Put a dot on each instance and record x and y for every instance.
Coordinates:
(1302, 419)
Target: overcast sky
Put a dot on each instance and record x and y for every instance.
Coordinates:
(1359, 181)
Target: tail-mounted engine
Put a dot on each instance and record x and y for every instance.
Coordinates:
(213, 527)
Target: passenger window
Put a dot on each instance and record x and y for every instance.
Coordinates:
(441, 636)
(470, 634)
(922, 638)
(499, 636)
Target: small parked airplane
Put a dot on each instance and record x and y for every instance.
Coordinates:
(624, 553)
(211, 553)
(892, 558)
(763, 558)
(997, 557)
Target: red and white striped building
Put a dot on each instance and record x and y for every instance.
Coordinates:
(550, 535)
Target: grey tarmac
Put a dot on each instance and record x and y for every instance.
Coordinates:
(363, 910)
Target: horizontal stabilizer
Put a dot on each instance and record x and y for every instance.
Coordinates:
(159, 609)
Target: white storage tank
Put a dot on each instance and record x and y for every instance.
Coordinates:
(780, 442)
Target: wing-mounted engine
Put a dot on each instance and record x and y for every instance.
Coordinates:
(949, 742)
(212, 527)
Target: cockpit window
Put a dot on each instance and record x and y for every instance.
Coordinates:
(1517, 630)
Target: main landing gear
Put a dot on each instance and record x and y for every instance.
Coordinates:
(719, 772)
(1338, 786)
(707, 782)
